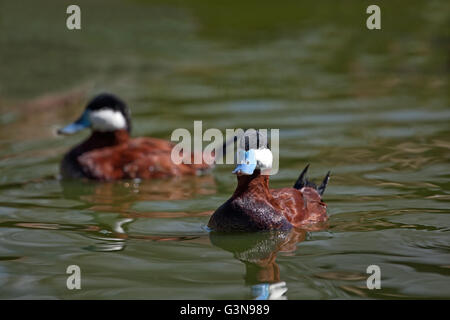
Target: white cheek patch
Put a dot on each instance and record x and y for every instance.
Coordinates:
(264, 158)
(107, 120)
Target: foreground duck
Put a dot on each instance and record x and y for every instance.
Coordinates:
(253, 206)
(111, 154)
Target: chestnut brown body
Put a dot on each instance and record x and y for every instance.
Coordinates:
(253, 207)
(114, 155)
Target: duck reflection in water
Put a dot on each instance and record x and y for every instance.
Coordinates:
(120, 197)
(258, 251)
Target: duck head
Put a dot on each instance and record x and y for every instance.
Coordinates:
(254, 160)
(254, 155)
(104, 113)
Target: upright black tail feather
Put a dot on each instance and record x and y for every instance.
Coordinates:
(302, 182)
(324, 183)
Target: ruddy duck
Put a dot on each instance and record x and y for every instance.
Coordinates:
(111, 154)
(253, 206)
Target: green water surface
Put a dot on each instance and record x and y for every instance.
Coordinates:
(371, 106)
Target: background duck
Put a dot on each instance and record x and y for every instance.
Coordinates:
(253, 206)
(111, 154)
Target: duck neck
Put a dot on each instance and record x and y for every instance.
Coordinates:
(104, 139)
(255, 183)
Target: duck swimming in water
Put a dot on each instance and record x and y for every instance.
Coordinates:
(255, 207)
(111, 154)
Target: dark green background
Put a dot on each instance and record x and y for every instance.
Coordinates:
(372, 106)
